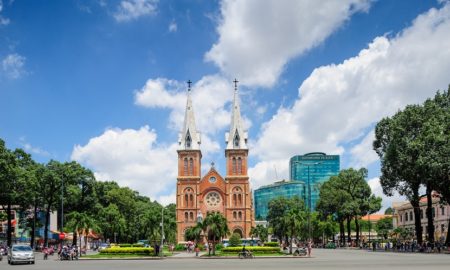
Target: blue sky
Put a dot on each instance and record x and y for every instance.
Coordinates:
(103, 82)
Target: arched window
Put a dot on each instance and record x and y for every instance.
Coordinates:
(234, 200)
(406, 216)
(188, 140)
(185, 216)
(236, 140)
(240, 199)
(239, 166)
(234, 215)
(186, 200)
(234, 165)
(191, 200)
(411, 216)
(191, 216)
(240, 215)
(191, 166)
(185, 166)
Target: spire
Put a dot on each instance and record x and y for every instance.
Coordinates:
(237, 137)
(189, 138)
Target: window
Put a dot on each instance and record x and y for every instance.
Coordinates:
(191, 166)
(185, 216)
(240, 199)
(191, 216)
(212, 179)
(406, 216)
(239, 166)
(442, 210)
(411, 216)
(421, 213)
(236, 139)
(234, 166)
(234, 215)
(191, 199)
(442, 228)
(401, 217)
(234, 199)
(186, 200)
(188, 140)
(212, 199)
(240, 215)
(185, 166)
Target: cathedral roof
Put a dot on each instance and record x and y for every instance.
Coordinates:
(189, 138)
(236, 138)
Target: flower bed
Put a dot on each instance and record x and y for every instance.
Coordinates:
(252, 249)
(128, 250)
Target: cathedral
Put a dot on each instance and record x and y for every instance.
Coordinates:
(199, 195)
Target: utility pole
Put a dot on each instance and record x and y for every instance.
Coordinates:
(162, 232)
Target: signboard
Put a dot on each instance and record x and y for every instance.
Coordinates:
(62, 236)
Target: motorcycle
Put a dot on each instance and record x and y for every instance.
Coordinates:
(64, 255)
(300, 252)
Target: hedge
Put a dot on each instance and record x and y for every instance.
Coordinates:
(128, 250)
(130, 245)
(252, 249)
(271, 244)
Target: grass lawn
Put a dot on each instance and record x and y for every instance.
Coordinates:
(99, 256)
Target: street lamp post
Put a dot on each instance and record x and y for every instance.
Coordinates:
(162, 232)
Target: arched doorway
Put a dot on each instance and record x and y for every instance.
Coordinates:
(238, 231)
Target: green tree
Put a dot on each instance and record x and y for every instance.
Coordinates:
(400, 144)
(215, 226)
(81, 224)
(384, 227)
(389, 211)
(259, 231)
(194, 233)
(295, 220)
(235, 240)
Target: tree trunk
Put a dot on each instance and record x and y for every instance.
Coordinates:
(349, 230)
(33, 227)
(417, 222)
(357, 230)
(290, 245)
(79, 247)
(214, 245)
(47, 221)
(75, 236)
(447, 240)
(9, 230)
(429, 212)
(341, 232)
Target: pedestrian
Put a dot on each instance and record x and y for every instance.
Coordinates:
(197, 250)
(309, 247)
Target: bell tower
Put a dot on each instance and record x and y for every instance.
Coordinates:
(189, 170)
(239, 210)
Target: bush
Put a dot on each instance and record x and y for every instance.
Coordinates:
(252, 249)
(235, 240)
(179, 247)
(271, 244)
(130, 245)
(128, 250)
(219, 246)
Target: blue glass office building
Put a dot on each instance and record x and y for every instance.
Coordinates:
(286, 189)
(313, 169)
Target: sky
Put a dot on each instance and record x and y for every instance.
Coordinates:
(104, 82)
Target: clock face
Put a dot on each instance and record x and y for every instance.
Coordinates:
(212, 179)
(212, 199)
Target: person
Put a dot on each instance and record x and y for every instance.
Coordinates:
(197, 250)
(45, 251)
(309, 247)
(157, 249)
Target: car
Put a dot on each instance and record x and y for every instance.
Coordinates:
(20, 254)
(103, 246)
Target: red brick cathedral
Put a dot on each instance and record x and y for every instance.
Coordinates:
(199, 195)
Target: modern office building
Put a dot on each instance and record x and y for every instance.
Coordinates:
(313, 169)
(283, 188)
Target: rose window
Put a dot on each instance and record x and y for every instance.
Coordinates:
(212, 199)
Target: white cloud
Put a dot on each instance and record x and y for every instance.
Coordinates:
(13, 65)
(33, 149)
(363, 154)
(267, 172)
(257, 38)
(167, 199)
(173, 27)
(337, 103)
(377, 190)
(210, 96)
(132, 9)
(3, 21)
(131, 157)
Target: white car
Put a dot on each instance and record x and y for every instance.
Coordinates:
(20, 254)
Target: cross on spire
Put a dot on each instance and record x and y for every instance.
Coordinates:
(189, 85)
(235, 83)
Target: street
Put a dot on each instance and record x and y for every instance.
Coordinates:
(323, 259)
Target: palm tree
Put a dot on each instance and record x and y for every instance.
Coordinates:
(294, 221)
(215, 226)
(194, 233)
(81, 224)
